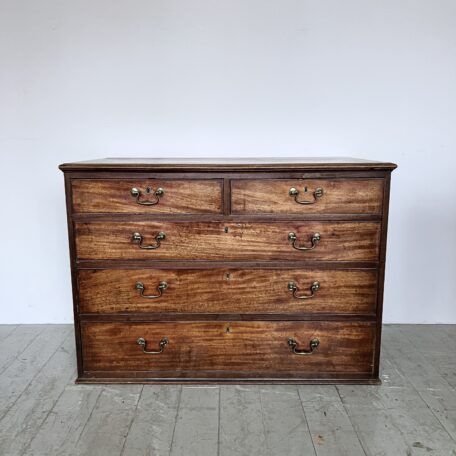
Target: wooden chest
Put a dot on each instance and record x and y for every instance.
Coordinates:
(228, 270)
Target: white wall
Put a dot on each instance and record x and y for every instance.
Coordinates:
(91, 78)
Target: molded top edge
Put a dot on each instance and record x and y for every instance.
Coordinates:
(226, 164)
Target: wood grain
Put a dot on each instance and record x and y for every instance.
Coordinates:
(227, 259)
(226, 290)
(340, 196)
(342, 241)
(258, 348)
(181, 196)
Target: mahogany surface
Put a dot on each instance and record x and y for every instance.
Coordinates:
(345, 241)
(227, 310)
(362, 196)
(226, 290)
(229, 347)
(180, 196)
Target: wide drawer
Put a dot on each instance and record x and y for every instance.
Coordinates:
(147, 196)
(225, 290)
(344, 241)
(207, 349)
(307, 196)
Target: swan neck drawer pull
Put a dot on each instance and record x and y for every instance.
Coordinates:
(314, 239)
(136, 193)
(162, 344)
(161, 287)
(293, 287)
(313, 345)
(138, 238)
(317, 193)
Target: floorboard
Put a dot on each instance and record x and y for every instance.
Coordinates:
(151, 432)
(196, 430)
(330, 426)
(242, 431)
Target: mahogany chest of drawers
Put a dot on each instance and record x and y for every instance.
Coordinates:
(228, 270)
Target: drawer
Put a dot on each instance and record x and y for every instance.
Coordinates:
(329, 241)
(258, 348)
(147, 196)
(224, 290)
(307, 196)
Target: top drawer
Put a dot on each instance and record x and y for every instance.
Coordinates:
(307, 196)
(147, 196)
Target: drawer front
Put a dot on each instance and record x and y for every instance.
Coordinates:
(150, 196)
(345, 241)
(242, 291)
(256, 348)
(307, 196)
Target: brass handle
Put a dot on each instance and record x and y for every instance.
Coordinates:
(314, 239)
(313, 344)
(160, 288)
(162, 344)
(136, 193)
(317, 193)
(294, 289)
(137, 237)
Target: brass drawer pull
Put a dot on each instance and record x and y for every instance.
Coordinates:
(318, 193)
(314, 343)
(137, 237)
(293, 287)
(136, 193)
(315, 239)
(162, 286)
(162, 344)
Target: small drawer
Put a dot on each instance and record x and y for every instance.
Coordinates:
(217, 241)
(147, 196)
(225, 291)
(229, 349)
(307, 196)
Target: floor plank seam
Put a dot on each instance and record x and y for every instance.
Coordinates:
(51, 409)
(351, 422)
(122, 451)
(266, 437)
(7, 365)
(175, 420)
(11, 332)
(306, 421)
(89, 417)
(33, 377)
(450, 387)
(219, 412)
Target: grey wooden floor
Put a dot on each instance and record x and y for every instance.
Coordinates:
(42, 412)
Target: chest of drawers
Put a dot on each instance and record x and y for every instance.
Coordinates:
(228, 270)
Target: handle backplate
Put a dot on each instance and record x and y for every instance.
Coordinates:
(138, 238)
(314, 239)
(317, 193)
(293, 287)
(313, 345)
(161, 345)
(157, 194)
(161, 287)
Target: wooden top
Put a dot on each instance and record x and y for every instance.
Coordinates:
(227, 164)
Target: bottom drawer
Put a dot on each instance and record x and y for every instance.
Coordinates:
(228, 350)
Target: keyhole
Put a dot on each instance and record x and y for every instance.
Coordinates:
(227, 329)
(148, 190)
(227, 276)
(305, 189)
(225, 229)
